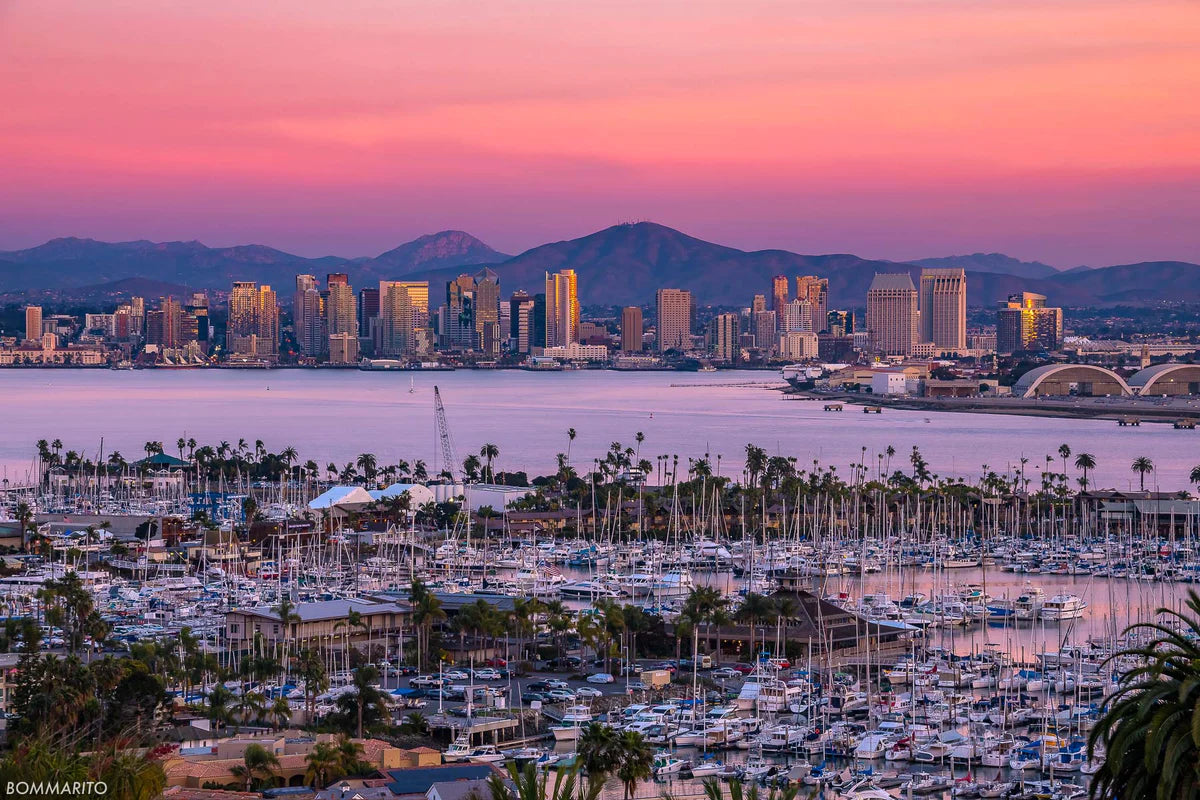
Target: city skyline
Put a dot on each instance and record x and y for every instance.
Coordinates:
(1022, 145)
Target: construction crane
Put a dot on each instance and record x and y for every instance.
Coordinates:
(443, 430)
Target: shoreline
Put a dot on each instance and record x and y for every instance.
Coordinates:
(1020, 408)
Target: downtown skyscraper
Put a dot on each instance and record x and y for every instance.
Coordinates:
(892, 314)
(562, 308)
(943, 307)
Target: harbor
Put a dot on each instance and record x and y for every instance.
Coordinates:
(883, 631)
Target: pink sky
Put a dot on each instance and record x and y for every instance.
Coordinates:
(1061, 130)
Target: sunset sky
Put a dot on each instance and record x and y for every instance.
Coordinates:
(1061, 130)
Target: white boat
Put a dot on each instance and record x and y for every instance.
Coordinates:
(587, 590)
(485, 754)
(573, 719)
(665, 765)
(1063, 606)
(458, 750)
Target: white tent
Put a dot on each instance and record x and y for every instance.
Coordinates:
(342, 498)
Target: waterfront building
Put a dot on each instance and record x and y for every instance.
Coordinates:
(343, 348)
(1024, 322)
(33, 323)
(797, 345)
(834, 348)
(395, 320)
(943, 308)
(574, 351)
(631, 330)
(724, 332)
(764, 330)
(887, 381)
(307, 319)
(253, 326)
(779, 294)
(815, 291)
(562, 308)
(674, 319)
(892, 314)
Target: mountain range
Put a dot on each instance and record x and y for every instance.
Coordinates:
(620, 265)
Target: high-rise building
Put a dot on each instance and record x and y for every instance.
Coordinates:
(839, 323)
(797, 317)
(724, 331)
(197, 307)
(164, 325)
(487, 311)
(759, 304)
(631, 329)
(401, 317)
(253, 326)
(674, 319)
(307, 319)
(943, 308)
(341, 316)
(779, 294)
(33, 323)
(137, 317)
(892, 314)
(562, 308)
(521, 324)
(537, 322)
(764, 330)
(798, 346)
(368, 310)
(816, 291)
(1024, 322)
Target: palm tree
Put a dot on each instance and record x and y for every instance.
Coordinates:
(529, 784)
(1064, 452)
(324, 765)
(367, 462)
(470, 467)
(754, 609)
(635, 761)
(489, 452)
(257, 762)
(1148, 727)
(281, 711)
(599, 751)
(1141, 466)
(1085, 461)
(1195, 475)
(366, 694)
(570, 438)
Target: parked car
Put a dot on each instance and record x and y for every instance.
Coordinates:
(631, 669)
(637, 686)
(456, 675)
(425, 682)
(538, 686)
(495, 662)
(555, 683)
(560, 696)
(487, 674)
(600, 677)
(743, 669)
(587, 691)
(530, 697)
(725, 673)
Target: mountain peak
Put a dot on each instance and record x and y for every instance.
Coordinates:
(449, 248)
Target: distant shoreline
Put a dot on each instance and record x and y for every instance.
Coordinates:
(1078, 408)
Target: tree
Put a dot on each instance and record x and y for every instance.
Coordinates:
(635, 761)
(529, 784)
(489, 452)
(258, 766)
(1142, 466)
(367, 462)
(367, 695)
(570, 439)
(598, 751)
(1085, 462)
(470, 467)
(1150, 727)
(324, 765)
(1195, 475)
(1064, 452)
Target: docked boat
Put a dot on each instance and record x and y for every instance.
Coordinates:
(1063, 606)
(573, 720)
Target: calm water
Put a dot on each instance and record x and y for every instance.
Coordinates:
(335, 415)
